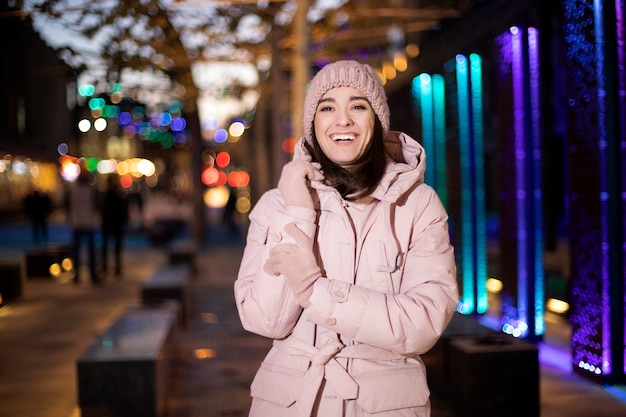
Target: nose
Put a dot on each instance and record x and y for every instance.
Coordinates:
(343, 118)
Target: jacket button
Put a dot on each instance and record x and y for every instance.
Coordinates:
(338, 295)
(331, 321)
(278, 237)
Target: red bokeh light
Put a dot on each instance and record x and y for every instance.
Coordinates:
(222, 159)
(126, 180)
(288, 145)
(238, 179)
(222, 178)
(210, 176)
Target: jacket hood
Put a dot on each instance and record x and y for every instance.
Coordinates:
(406, 164)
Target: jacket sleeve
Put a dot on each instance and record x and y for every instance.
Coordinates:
(411, 319)
(265, 303)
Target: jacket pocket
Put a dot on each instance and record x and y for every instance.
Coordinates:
(392, 388)
(277, 384)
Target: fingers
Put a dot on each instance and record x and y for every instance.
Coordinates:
(313, 173)
(300, 237)
(273, 264)
(278, 254)
(303, 169)
(269, 268)
(281, 251)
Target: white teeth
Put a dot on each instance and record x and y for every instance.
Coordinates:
(343, 138)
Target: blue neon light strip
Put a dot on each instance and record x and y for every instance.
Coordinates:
(534, 72)
(467, 219)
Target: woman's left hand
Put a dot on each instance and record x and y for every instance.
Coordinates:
(296, 263)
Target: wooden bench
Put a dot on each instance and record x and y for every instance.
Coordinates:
(169, 282)
(182, 252)
(39, 259)
(494, 375)
(437, 359)
(127, 370)
(472, 367)
(11, 284)
(164, 229)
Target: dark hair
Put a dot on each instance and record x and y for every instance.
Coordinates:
(369, 168)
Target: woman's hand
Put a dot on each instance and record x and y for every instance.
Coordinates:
(294, 183)
(296, 263)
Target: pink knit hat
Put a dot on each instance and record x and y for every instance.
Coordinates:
(346, 74)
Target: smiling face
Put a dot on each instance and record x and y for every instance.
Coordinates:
(344, 125)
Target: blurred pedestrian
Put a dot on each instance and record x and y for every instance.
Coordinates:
(37, 206)
(135, 199)
(230, 209)
(114, 214)
(82, 209)
(348, 264)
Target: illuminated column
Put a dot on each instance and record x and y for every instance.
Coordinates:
(439, 128)
(423, 94)
(429, 98)
(473, 228)
(596, 134)
(520, 195)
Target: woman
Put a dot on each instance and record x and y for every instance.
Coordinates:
(348, 264)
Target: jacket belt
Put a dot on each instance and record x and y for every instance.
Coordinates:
(324, 364)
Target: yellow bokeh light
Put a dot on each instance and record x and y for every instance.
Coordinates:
(412, 50)
(243, 205)
(209, 318)
(400, 62)
(67, 264)
(122, 168)
(236, 129)
(146, 167)
(216, 197)
(204, 353)
(494, 285)
(55, 270)
(389, 71)
(557, 306)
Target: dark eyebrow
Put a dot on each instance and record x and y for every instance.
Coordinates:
(352, 98)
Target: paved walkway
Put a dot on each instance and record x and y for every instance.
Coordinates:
(43, 334)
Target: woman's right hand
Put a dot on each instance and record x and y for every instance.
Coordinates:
(294, 182)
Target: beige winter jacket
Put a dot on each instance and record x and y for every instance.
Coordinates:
(387, 292)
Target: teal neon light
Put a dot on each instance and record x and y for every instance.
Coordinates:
(467, 222)
(423, 89)
(429, 95)
(439, 126)
(479, 183)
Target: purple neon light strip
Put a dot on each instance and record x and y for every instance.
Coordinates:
(604, 232)
(520, 181)
(533, 58)
(619, 22)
